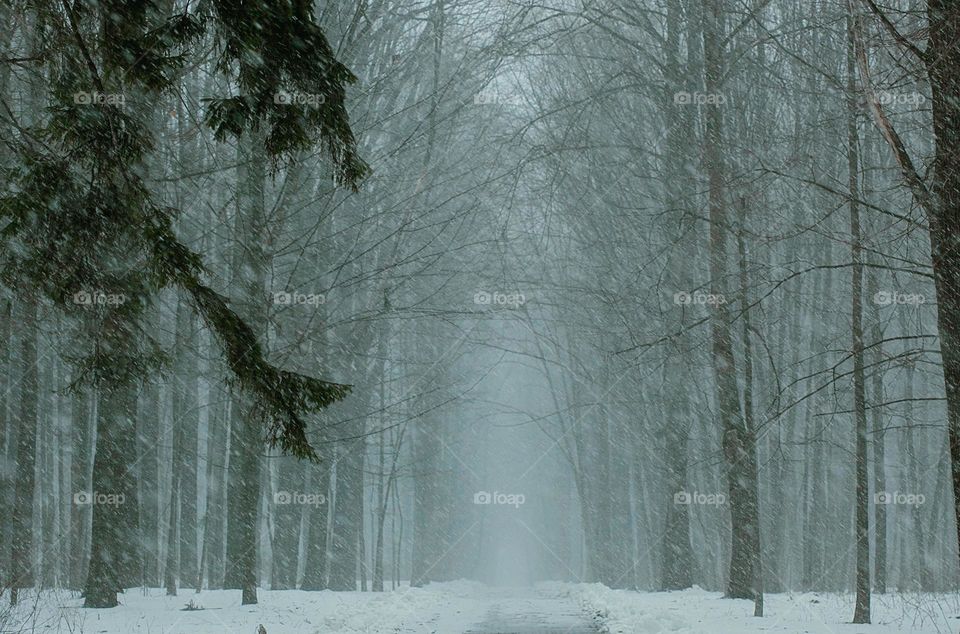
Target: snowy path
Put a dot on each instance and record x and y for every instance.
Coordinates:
(523, 611)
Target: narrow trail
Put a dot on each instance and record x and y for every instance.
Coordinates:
(523, 611)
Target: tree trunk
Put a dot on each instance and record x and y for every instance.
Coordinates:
(877, 413)
(735, 439)
(7, 477)
(22, 533)
(426, 497)
(182, 529)
(113, 553)
(919, 574)
(246, 441)
(381, 508)
(943, 69)
(285, 538)
(215, 521)
(862, 510)
(384, 483)
(748, 421)
(347, 510)
(315, 572)
(83, 422)
(148, 440)
(879, 437)
(677, 568)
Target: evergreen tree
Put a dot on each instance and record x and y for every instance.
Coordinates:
(82, 229)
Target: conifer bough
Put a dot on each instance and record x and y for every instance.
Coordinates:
(75, 212)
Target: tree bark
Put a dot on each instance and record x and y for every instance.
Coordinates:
(22, 534)
(862, 510)
(943, 68)
(748, 420)
(182, 530)
(735, 437)
(246, 443)
(941, 201)
(114, 556)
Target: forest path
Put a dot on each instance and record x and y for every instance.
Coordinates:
(523, 611)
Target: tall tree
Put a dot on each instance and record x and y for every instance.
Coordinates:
(861, 483)
(939, 198)
(250, 275)
(22, 533)
(735, 437)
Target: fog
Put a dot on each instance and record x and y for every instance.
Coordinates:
(479, 316)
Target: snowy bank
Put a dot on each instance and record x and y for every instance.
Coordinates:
(442, 609)
(697, 611)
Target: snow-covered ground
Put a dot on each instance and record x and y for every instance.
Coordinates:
(462, 606)
(540, 610)
(697, 611)
(448, 608)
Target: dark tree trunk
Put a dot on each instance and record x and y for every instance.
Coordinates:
(7, 492)
(677, 554)
(82, 420)
(315, 572)
(878, 436)
(114, 555)
(173, 532)
(347, 515)
(216, 512)
(384, 480)
(862, 510)
(243, 496)
(285, 540)
(246, 439)
(148, 440)
(22, 535)
(748, 420)
(735, 437)
(943, 69)
(381, 508)
(181, 566)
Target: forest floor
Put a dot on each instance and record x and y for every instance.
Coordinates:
(448, 608)
(464, 607)
(698, 611)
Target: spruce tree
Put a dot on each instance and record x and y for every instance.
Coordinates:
(81, 229)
